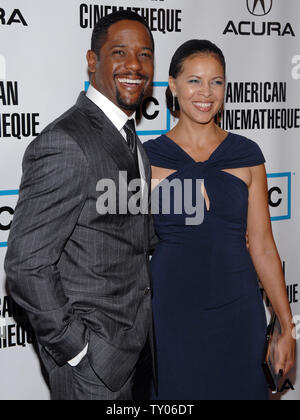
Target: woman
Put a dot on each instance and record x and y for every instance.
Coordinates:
(208, 311)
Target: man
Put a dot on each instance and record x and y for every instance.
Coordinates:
(82, 275)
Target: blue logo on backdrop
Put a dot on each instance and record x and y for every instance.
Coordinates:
(280, 195)
(154, 112)
(8, 200)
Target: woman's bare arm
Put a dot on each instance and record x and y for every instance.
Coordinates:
(267, 263)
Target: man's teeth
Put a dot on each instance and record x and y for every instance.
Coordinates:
(130, 81)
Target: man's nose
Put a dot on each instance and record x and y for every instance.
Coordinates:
(133, 62)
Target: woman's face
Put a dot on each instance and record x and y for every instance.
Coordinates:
(200, 88)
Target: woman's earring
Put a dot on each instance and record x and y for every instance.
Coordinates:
(174, 104)
(174, 108)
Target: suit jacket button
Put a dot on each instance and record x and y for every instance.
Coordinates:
(147, 291)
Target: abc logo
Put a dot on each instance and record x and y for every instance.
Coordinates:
(6, 214)
(154, 114)
(8, 201)
(280, 196)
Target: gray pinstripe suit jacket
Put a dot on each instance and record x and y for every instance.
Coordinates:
(81, 277)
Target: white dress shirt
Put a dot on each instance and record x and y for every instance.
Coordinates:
(119, 119)
(115, 114)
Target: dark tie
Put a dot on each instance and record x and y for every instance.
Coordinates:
(129, 129)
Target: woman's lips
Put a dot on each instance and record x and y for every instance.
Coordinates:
(203, 106)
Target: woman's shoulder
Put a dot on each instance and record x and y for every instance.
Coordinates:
(247, 150)
(160, 154)
(155, 149)
(148, 144)
(244, 142)
(154, 145)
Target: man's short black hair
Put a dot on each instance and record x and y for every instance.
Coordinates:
(101, 28)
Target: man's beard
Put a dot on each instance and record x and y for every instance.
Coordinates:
(130, 107)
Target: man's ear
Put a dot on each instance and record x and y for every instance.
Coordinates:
(92, 61)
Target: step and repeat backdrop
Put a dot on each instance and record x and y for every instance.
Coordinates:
(43, 69)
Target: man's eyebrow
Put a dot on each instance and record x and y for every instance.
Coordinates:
(118, 46)
(148, 48)
(124, 46)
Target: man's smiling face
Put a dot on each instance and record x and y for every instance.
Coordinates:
(124, 69)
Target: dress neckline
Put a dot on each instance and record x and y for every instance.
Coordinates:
(217, 149)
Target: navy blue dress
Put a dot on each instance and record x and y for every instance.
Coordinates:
(209, 317)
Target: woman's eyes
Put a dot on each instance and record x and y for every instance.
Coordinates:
(218, 82)
(214, 82)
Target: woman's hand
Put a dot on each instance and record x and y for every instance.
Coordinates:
(286, 352)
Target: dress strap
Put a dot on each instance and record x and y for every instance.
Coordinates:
(162, 155)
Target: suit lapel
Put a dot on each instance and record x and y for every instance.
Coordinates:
(146, 164)
(110, 138)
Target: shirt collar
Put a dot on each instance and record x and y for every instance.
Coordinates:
(114, 113)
